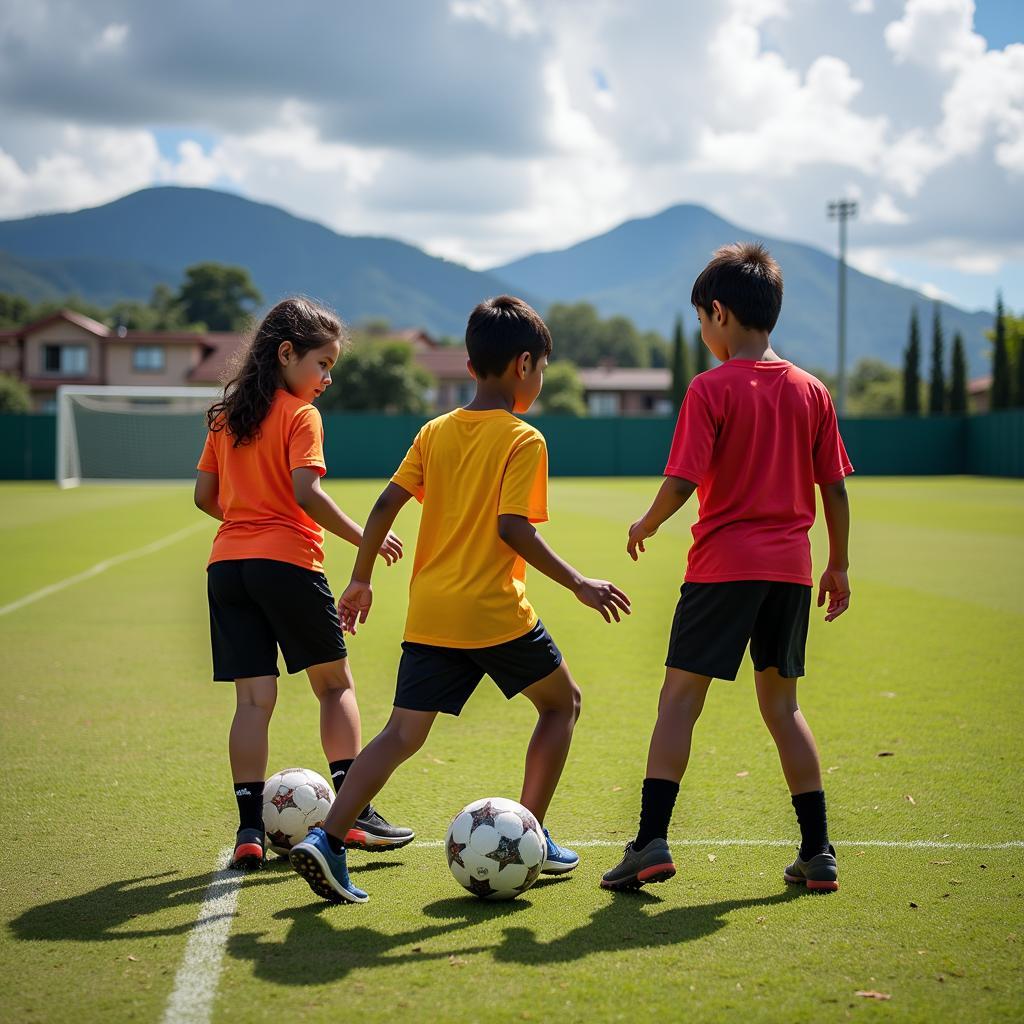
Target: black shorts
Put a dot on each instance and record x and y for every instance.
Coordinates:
(714, 622)
(443, 678)
(256, 605)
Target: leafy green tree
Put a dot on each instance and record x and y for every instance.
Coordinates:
(937, 379)
(912, 369)
(563, 391)
(14, 396)
(1001, 386)
(958, 377)
(680, 364)
(220, 296)
(874, 389)
(14, 311)
(581, 336)
(701, 360)
(378, 376)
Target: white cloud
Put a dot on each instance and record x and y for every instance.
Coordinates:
(496, 127)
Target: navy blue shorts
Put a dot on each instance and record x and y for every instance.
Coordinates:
(258, 605)
(715, 621)
(443, 678)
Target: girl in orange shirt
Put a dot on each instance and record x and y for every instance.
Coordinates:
(259, 475)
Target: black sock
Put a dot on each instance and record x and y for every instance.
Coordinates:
(250, 804)
(336, 844)
(656, 803)
(810, 813)
(339, 769)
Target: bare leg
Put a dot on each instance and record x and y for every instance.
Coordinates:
(248, 741)
(335, 689)
(776, 696)
(404, 734)
(679, 707)
(557, 700)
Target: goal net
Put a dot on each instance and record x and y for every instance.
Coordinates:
(130, 433)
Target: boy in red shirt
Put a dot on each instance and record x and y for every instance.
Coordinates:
(754, 437)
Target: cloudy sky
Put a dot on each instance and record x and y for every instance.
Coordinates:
(485, 129)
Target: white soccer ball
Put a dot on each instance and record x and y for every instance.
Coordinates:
(294, 801)
(495, 848)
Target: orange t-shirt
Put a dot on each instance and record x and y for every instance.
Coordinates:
(261, 516)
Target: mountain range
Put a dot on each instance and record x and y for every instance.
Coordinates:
(642, 269)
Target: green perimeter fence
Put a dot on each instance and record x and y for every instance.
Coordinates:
(371, 446)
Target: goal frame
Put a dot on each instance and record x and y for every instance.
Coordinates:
(67, 438)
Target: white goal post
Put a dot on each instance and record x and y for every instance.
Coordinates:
(112, 433)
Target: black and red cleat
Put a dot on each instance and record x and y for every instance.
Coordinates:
(250, 850)
(818, 873)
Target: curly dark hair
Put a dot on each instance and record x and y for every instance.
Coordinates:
(255, 373)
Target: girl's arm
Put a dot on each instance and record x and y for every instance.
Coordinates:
(321, 508)
(206, 494)
(834, 581)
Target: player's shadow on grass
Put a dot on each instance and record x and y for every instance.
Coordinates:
(119, 910)
(325, 942)
(624, 924)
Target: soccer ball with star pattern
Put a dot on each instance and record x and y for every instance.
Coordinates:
(495, 848)
(294, 801)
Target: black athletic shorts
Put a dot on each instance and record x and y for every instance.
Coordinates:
(443, 678)
(714, 622)
(256, 605)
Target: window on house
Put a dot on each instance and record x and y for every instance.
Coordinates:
(603, 403)
(148, 359)
(67, 360)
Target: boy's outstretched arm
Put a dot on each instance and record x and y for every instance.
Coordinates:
(321, 508)
(673, 495)
(834, 580)
(205, 495)
(354, 604)
(522, 537)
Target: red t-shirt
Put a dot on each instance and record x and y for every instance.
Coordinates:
(755, 437)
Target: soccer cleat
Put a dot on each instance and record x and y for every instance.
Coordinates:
(640, 867)
(325, 871)
(559, 860)
(372, 832)
(250, 850)
(819, 874)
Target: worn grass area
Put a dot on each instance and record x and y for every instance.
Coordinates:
(117, 797)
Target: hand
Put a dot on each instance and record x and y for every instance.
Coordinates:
(354, 605)
(391, 550)
(604, 596)
(836, 584)
(638, 533)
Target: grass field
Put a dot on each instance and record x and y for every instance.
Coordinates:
(117, 804)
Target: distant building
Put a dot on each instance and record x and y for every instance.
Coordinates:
(979, 394)
(70, 348)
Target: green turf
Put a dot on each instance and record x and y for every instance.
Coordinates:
(117, 800)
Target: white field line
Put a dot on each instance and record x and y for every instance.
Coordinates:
(95, 570)
(195, 985)
(847, 844)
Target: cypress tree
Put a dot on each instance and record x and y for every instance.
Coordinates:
(1000, 362)
(958, 377)
(912, 369)
(700, 363)
(937, 381)
(680, 363)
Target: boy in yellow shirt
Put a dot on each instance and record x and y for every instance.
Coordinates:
(480, 473)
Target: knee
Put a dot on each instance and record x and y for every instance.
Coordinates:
(577, 703)
(777, 712)
(404, 737)
(331, 680)
(260, 702)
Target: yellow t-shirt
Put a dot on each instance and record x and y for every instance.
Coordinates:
(468, 586)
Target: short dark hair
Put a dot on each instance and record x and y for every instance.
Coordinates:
(502, 328)
(744, 278)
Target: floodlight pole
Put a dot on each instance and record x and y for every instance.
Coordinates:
(842, 210)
